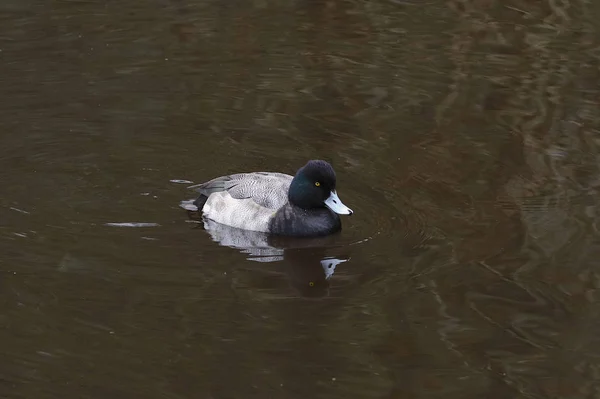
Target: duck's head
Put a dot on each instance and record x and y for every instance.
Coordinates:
(314, 187)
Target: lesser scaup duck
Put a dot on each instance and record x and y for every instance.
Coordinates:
(305, 205)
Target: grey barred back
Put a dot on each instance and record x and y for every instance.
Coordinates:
(266, 189)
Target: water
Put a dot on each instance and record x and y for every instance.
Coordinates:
(465, 136)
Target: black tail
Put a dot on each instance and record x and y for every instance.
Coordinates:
(200, 201)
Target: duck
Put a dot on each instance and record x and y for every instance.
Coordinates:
(303, 205)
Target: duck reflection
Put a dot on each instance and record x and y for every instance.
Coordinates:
(308, 267)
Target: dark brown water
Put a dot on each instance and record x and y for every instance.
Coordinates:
(465, 136)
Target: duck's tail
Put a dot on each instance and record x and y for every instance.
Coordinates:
(189, 205)
(194, 205)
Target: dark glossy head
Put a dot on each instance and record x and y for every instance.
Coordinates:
(314, 187)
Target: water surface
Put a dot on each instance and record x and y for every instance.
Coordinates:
(465, 136)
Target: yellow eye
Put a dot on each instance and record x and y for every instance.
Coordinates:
(317, 184)
(312, 284)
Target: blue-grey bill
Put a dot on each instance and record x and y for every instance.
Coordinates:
(336, 205)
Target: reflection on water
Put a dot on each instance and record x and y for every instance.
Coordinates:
(307, 265)
(465, 135)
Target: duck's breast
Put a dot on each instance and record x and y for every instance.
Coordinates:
(293, 221)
